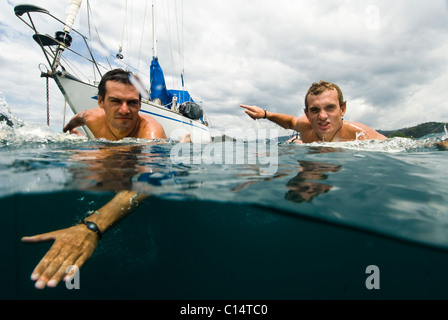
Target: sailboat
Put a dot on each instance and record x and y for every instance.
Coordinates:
(175, 109)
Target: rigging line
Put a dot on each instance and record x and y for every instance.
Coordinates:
(120, 45)
(178, 39)
(68, 62)
(90, 14)
(130, 26)
(179, 46)
(73, 68)
(141, 39)
(182, 45)
(88, 20)
(133, 69)
(168, 27)
(177, 34)
(182, 60)
(90, 34)
(97, 36)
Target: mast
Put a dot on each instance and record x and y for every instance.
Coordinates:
(64, 36)
(154, 36)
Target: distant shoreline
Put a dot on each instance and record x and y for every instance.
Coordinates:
(417, 131)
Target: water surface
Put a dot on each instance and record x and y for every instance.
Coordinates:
(303, 226)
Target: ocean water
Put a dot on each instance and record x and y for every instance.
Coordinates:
(275, 221)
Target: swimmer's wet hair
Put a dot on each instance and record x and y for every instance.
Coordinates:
(322, 86)
(118, 75)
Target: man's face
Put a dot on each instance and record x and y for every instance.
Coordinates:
(121, 105)
(325, 114)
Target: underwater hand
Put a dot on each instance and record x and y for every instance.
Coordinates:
(72, 246)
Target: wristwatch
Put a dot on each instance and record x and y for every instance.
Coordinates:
(92, 226)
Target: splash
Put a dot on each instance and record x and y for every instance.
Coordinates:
(34, 134)
(14, 131)
(393, 145)
(7, 117)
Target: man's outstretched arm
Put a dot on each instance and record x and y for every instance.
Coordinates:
(285, 121)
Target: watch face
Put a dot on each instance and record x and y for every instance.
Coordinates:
(91, 226)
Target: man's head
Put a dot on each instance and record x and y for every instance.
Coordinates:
(321, 86)
(325, 108)
(120, 100)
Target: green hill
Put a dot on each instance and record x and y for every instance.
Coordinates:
(418, 131)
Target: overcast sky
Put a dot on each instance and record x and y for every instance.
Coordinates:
(390, 58)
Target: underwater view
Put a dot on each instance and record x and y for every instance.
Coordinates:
(231, 220)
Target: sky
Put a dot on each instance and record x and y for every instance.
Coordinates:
(390, 58)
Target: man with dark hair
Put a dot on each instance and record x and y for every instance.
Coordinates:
(323, 120)
(117, 116)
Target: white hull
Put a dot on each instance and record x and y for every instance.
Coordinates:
(81, 96)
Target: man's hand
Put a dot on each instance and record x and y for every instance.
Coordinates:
(186, 138)
(295, 139)
(76, 131)
(254, 112)
(72, 246)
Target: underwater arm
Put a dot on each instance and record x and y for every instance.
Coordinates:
(75, 245)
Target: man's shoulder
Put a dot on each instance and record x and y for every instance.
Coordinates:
(149, 120)
(356, 126)
(150, 128)
(368, 132)
(95, 111)
(301, 123)
(94, 114)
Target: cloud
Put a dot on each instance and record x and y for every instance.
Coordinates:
(389, 58)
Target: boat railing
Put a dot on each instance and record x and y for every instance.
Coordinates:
(53, 47)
